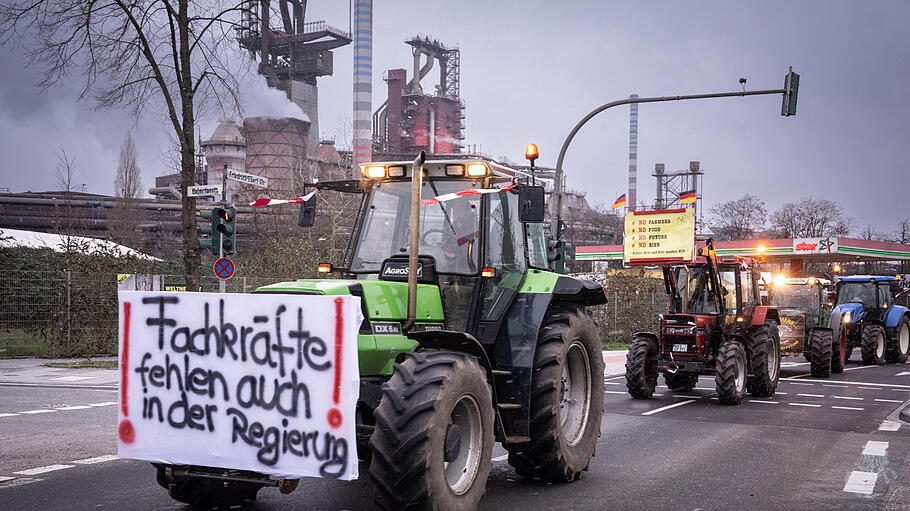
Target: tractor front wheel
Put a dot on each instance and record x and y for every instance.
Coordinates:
(641, 367)
(730, 374)
(764, 359)
(820, 353)
(433, 438)
(567, 393)
(873, 344)
(900, 345)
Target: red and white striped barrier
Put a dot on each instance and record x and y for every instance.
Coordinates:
(271, 202)
(464, 193)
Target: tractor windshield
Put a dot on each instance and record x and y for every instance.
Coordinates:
(694, 284)
(857, 292)
(796, 296)
(448, 230)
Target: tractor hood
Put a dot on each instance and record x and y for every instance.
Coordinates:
(382, 300)
(855, 309)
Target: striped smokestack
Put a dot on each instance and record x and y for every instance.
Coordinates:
(363, 81)
(632, 194)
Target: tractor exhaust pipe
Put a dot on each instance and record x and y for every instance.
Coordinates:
(414, 245)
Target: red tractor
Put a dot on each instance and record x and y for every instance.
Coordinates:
(716, 325)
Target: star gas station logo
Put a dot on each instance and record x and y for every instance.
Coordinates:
(824, 245)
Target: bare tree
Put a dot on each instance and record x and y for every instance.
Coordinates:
(128, 183)
(738, 219)
(138, 54)
(811, 217)
(66, 170)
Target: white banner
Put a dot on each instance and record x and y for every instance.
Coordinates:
(245, 178)
(203, 190)
(266, 383)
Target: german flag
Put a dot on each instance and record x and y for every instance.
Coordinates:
(620, 202)
(687, 197)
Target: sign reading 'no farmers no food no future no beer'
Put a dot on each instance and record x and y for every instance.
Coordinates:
(656, 237)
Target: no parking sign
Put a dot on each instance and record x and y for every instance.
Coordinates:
(224, 268)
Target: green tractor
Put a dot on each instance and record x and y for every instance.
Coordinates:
(805, 306)
(466, 340)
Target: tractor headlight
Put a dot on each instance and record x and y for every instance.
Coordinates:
(848, 316)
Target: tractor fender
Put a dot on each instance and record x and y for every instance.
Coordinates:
(895, 315)
(763, 313)
(648, 335)
(584, 292)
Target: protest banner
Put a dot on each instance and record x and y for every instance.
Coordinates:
(260, 382)
(659, 237)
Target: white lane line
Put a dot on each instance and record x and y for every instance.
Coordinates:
(806, 384)
(8, 414)
(903, 373)
(674, 405)
(875, 448)
(848, 397)
(501, 458)
(805, 404)
(687, 396)
(33, 412)
(861, 482)
(6, 478)
(889, 426)
(74, 407)
(888, 400)
(838, 386)
(888, 385)
(846, 408)
(42, 470)
(112, 457)
(612, 383)
(658, 395)
(855, 368)
(901, 390)
(765, 402)
(614, 392)
(871, 388)
(810, 395)
(779, 392)
(705, 388)
(73, 378)
(106, 403)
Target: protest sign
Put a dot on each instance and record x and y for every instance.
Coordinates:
(657, 237)
(260, 382)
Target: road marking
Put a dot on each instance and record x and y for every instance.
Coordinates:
(861, 482)
(73, 378)
(848, 397)
(889, 400)
(74, 407)
(846, 408)
(33, 412)
(903, 373)
(871, 388)
(901, 390)
(42, 470)
(612, 383)
(498, 458)
(807, 384)
(810, 395)
(855, 368)
(805, 404)
(8, 414)
(765, 402)
(6, 478)
(658, 395)
(614, 392)
(779, 392)
(112, 457)
(674, 405)
(838, 386)
(875, 448)
(106, 403)
(687, 396)
(895, 386)
(889, 426)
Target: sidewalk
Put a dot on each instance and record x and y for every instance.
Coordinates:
(614, 363)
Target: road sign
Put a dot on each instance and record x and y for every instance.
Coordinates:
(249, 179)
(203, 190)
(224, 268)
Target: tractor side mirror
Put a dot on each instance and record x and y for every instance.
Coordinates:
(307, 215)
(531, 203)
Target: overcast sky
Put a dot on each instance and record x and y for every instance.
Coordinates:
(531, 69)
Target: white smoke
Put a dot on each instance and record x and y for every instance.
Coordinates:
(259, 100)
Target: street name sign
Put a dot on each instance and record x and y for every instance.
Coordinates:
(203, 190)
(249, 179)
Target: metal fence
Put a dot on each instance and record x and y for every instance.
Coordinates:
(67, 313)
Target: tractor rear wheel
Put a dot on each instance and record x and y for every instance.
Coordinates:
(900, 345)
(820, 353)
(433, 438)
(764, 358)
(641, 367)
(730, 372)
(839, 353)
(681, 381)
(873, 344)
(567, 393)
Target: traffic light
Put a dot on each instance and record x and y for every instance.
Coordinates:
(211, 234)
(791, 86)
(227, 227)
(553, 249)
(565, 257)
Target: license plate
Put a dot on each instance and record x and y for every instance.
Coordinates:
(681, 347)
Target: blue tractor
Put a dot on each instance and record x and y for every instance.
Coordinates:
(866, 317)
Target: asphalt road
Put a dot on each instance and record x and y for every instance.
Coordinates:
(818, 444)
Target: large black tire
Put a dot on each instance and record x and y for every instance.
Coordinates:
(641, 367)
(433, 438)
(763, 350)
(567, 398)
(840, 353)
(899, 347)
(203, 493)
(730, 372)
(681, 381)
(820, 353)
(873, 344)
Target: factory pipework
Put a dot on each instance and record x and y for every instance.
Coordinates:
(363, 81)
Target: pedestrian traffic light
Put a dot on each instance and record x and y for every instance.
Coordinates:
(211, 234)
(227, 227)
(791, 86)
(553, 249)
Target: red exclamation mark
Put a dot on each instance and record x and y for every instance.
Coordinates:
(125, 431)
(334, 417)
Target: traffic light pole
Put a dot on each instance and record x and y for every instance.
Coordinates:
(222, 285)
(558, 185)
